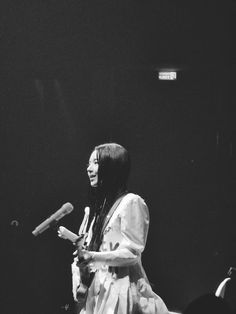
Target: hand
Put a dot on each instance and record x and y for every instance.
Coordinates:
(80, 248)
(85, 257)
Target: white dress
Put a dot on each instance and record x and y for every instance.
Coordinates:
(120, 285)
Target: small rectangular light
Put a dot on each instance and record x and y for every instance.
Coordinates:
(167, 75)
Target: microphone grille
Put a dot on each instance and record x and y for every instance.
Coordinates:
(67, 208)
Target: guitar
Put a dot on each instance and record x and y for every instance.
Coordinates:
(85, 276)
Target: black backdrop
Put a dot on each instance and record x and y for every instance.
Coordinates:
(78, 74)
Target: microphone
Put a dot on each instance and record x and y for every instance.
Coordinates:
(52, 220)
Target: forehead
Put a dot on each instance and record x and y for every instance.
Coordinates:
(94, 155)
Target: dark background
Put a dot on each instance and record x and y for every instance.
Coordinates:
(78, 73)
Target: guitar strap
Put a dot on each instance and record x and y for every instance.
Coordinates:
(112, 210)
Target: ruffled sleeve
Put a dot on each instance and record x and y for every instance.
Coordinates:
(134, 224)
(129, 234)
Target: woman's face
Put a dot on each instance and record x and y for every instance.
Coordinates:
(92, 169)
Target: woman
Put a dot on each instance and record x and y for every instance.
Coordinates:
(115, 240)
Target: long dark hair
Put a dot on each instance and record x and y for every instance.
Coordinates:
(113, 173)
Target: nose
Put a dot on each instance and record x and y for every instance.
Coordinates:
(89, 168)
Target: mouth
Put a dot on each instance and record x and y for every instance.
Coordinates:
(93, 177)
(93, 180)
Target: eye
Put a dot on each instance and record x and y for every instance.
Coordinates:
(92, 162)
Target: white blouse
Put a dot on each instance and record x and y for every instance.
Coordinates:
(120, 284)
